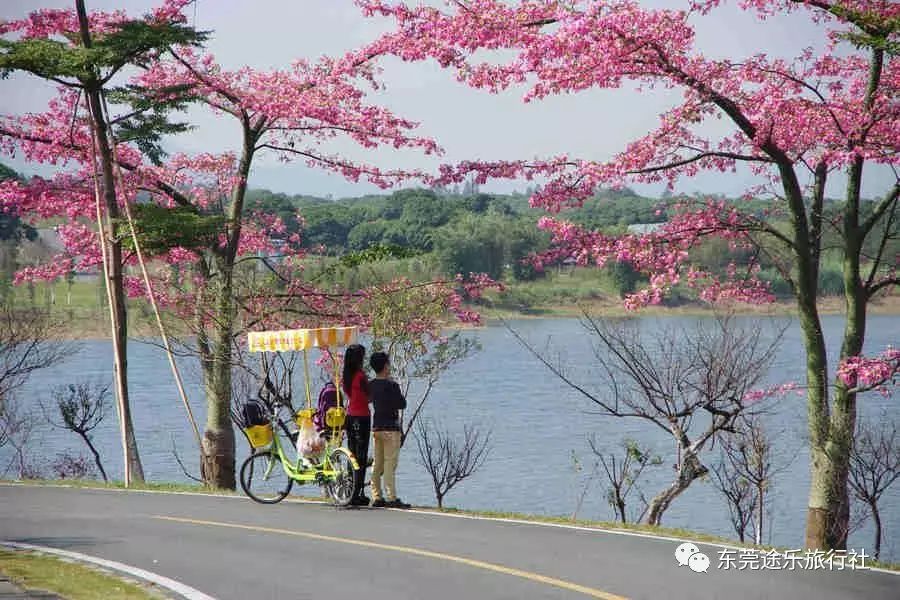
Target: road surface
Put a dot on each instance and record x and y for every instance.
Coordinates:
(233, 549)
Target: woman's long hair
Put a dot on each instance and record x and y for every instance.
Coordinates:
(353, 362)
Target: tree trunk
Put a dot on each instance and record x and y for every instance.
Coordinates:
(218, 438)
(217, 453)
(87, 440)
(876, 516)
(620, 505)
(830, 527)
(133, 469)
(759, 515)
(689, 470)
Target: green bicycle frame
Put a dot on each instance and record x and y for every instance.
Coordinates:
(296, 470)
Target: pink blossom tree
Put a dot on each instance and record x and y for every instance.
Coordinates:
(82, 53)
(232, 269)
(795, 123)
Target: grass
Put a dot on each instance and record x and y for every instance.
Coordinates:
(119, 485)
(34, 571)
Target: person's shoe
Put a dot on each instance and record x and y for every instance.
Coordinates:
(359, 501)
(397, 503)
(364, 499)
(379, 503)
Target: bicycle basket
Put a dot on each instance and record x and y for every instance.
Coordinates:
(302, 416)
(259, 435)
(335, 417)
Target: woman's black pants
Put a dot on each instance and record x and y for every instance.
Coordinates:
(358, 429)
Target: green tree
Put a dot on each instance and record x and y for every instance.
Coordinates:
(367, 234)
(471, 245)
(88, 61)
(12, 232)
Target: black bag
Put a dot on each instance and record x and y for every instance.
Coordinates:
(254, 413)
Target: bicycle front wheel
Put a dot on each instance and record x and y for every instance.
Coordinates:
(340, 488)
(263, 478)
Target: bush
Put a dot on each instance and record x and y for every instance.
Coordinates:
(67, 466)
(831, 282)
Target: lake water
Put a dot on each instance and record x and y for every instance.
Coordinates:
(538, 426)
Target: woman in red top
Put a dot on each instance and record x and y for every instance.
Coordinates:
(359, 421)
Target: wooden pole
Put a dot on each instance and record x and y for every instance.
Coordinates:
(114, 320)
(147, 283)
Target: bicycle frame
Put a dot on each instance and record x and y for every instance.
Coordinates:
(296, 469)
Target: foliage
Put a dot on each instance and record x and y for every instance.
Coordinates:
(794, 121)
(161, 229)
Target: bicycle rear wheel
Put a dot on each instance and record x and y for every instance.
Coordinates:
(263, 478)
(341, 487)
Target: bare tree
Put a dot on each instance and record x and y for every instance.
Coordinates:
(739, 495)
(67, 466)
(623, 474)
(745, 476)
(26, 345)
(449, 459)
(691, 382)
(16, 427)
(875, 466)
(81, 407)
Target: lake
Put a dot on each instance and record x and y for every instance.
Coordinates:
(539, 426)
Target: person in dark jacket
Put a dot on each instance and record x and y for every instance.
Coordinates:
(387, 402)
(359, 421)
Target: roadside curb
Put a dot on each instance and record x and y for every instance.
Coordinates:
(176, 587)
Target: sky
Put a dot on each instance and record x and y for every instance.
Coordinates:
(468, 124)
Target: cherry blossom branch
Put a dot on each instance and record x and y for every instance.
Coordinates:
(701, 156)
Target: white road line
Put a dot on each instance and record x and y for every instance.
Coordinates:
(177, 587)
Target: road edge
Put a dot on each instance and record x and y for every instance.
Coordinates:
(182, 590)
(434, 513)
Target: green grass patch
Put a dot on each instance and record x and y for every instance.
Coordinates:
(34, 571)
(120, 485)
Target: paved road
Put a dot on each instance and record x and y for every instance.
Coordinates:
(233, 549)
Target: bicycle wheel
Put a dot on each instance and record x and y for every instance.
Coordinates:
(263, 478)
(341, 487)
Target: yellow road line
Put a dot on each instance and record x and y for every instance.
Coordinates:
(478, 564)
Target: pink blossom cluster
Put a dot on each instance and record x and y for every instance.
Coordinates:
(663, 255)
(293, 113)
(810, 109)
(780, 390)
(864, 373)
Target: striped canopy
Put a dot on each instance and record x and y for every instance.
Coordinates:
(288, 340)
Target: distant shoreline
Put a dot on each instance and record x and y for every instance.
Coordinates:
(87, 330)
(886, 305)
